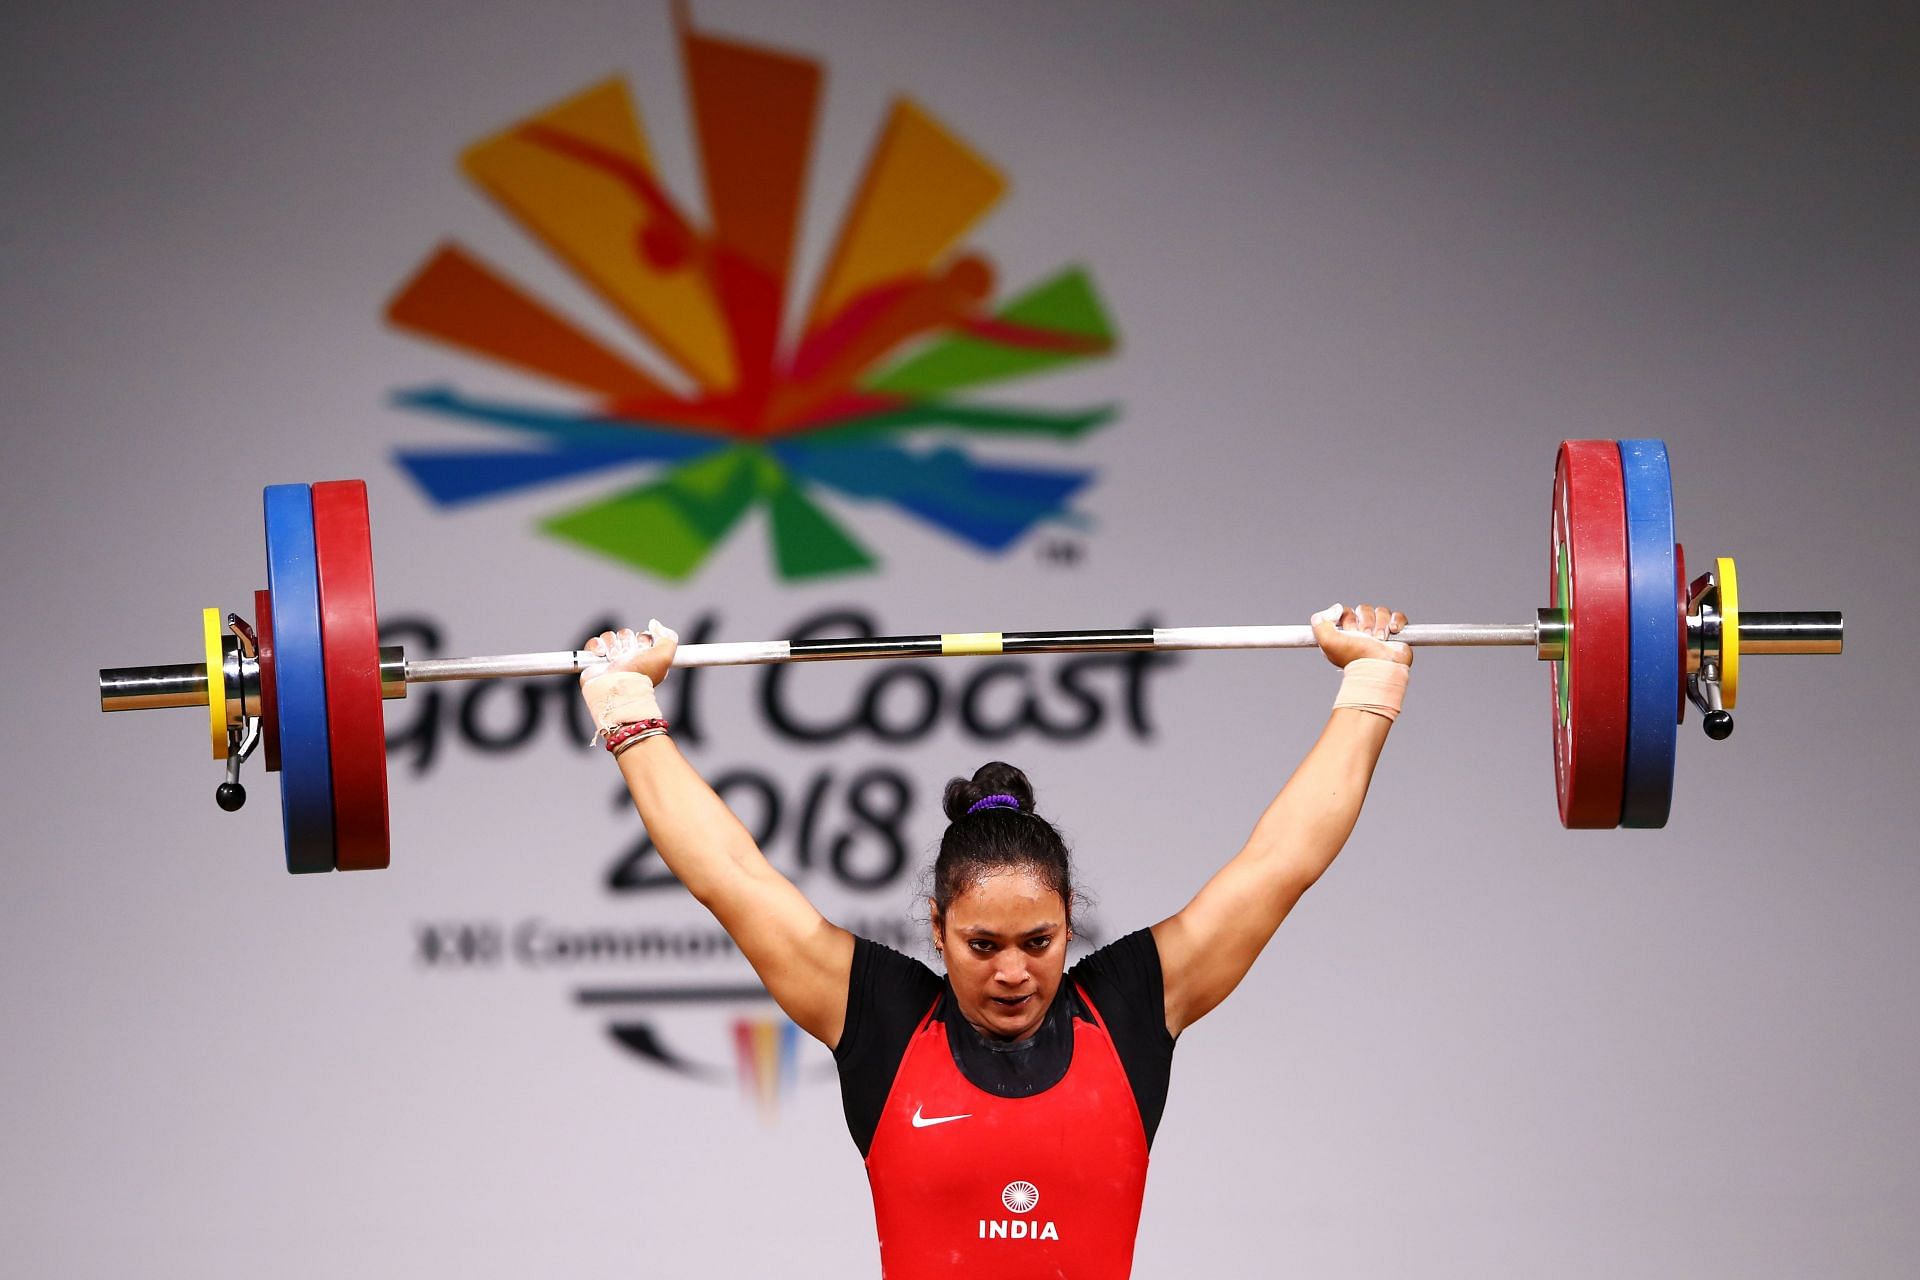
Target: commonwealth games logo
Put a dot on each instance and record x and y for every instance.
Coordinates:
(737, 410)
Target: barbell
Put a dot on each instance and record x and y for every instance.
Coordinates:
(1629, 638)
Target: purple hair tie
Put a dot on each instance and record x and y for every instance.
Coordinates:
(999, 800)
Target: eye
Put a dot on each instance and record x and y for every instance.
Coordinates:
(1037, 945)
(981, 946)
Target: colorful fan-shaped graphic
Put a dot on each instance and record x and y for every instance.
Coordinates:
(903, 321)
(765, 1052)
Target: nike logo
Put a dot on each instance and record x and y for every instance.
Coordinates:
(923, 1122)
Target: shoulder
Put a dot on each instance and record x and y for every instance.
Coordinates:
(877, 963)
(1123, 981)
(1128, 967)
(884, 990)
(887, 995)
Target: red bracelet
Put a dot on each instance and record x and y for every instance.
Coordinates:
(632, 730)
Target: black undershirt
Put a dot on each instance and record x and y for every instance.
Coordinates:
(888, 994)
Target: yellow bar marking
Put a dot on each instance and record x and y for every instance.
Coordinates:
(1729, 631)
(211, 631)
(964, 642)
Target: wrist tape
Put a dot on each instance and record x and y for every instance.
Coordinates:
(1377, 685)
(617, 698)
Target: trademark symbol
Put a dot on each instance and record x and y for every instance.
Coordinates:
(1065, 552)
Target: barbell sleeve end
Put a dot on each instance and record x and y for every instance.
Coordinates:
(1801, 632)
(181, 684)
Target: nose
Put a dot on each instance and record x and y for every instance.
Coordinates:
(1010, 969)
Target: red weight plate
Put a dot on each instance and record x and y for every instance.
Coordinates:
(269, 694)
(1587, 577)
(1680, 596)
(350, 644)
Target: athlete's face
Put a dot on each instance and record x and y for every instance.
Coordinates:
(1005, 944)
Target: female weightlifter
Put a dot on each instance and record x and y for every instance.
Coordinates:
(1004, 1111)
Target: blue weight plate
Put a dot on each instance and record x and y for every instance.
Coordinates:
(300, 681)
(1653, 651)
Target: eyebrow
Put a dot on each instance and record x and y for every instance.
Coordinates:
(981, 931)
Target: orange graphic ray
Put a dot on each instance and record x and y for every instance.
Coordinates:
(754, 113)
(922, 189)
(757, 1051)
(766, 1035)
(458, 299)
(579, 177)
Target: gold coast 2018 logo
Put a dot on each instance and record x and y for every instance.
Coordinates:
(741, 413)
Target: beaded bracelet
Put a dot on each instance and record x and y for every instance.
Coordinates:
(636, 739)
(633, 731)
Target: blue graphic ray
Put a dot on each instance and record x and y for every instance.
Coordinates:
(662, 442)
(451, 477)
(988, 506)
(789, 1055)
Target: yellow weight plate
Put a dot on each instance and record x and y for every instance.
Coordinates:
(1729, 631)
(216, 680)
(962, 642)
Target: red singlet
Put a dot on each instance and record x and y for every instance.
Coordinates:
(1048, 1185)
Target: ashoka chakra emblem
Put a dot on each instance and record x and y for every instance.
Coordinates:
(1020, 1196)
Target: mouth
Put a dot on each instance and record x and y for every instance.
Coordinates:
(1010, 1004)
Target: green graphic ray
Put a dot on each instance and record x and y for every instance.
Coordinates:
(807, 542)
(1065, 304)
(670, 526)
(974, 419)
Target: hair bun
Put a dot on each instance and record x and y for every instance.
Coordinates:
(996, 777)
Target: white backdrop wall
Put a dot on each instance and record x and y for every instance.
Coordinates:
(1368, 265)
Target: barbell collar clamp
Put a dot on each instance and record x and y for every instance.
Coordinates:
(1550, 635)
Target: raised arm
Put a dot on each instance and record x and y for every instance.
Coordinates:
(1208, 946)
(803, 959)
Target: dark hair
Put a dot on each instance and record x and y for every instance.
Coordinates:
(978, 844)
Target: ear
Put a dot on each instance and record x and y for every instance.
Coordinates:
(936, 925)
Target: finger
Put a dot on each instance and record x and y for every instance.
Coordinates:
(597, 646)
(1399, 620)
(1327, 617)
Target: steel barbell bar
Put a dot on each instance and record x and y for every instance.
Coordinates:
(185, 684)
